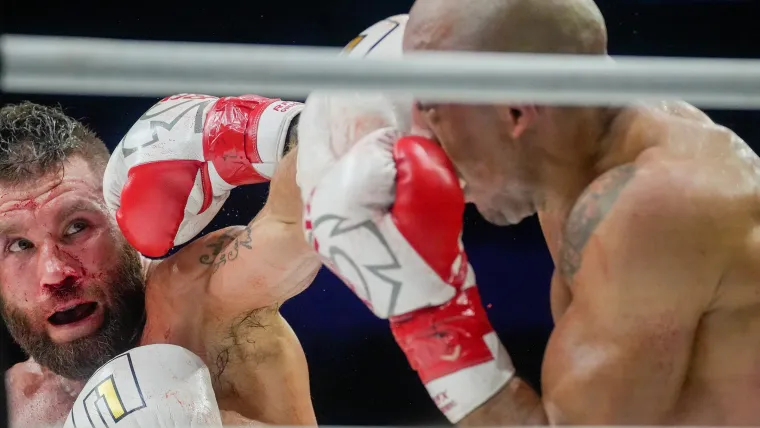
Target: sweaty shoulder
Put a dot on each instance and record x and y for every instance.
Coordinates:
(652, 208)
(683, 110)
(37, 396)
(25, 376)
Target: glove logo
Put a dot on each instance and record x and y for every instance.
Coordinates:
(353, 43)
(339, 257)
(454, 355)
(376, 35)
(114, 398)
(199, 108)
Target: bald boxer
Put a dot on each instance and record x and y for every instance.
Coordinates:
(650, 213)
(75, 293)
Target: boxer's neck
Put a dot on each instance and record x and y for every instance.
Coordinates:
(575, 146)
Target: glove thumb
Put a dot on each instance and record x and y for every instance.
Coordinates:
(428, 197)
(153, 202)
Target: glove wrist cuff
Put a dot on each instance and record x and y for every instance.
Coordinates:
(455, 352)
(245, 137)
(460, 393)
(266, 138)
(271, 135)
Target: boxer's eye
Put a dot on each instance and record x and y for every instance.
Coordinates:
(76, 227)
(19, 245)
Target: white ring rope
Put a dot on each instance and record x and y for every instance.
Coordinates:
(61, 65)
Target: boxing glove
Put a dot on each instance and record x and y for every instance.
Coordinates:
(387, 219)
(173, 170)
(331, 123)
(150, 386)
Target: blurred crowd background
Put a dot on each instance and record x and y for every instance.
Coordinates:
(358, 375)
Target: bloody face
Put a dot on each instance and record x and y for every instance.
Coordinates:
(71, 288)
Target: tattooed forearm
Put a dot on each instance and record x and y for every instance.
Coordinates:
(292, 137)
(589, 211)
(227, 248)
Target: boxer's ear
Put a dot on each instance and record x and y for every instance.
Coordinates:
(519, 118)
(420, 126)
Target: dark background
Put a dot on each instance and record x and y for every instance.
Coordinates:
(358, 374)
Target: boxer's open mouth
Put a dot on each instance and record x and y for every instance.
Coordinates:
(73, 314)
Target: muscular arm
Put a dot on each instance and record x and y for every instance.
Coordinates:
(261, 264)
(256, 360)
(268, 261)
(642, 261)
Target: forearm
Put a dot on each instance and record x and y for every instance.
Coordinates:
(284, 199)
(268, 261)
(515, 404)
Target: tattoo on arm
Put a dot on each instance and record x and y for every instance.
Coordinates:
(292, 137)
(226, 248)
(589, 211)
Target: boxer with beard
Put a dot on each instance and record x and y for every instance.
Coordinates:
(76, 293)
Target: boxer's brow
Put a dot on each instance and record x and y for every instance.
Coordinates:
(7, 229)
(78, 206)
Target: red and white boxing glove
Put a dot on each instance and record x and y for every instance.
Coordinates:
(332, 122)
(387, 218)
(172, 172)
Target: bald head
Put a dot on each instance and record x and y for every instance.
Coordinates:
(534, 26)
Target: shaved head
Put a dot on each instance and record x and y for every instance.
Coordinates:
(530, 26)
(505, 151)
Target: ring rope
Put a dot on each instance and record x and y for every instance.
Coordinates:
(88, 66)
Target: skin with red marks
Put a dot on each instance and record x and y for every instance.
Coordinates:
(218, 296)
(54, 232)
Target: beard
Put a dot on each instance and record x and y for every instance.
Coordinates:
(124, 318)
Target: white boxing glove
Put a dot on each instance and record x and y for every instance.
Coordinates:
(387, 219)
(172, 172)
(154, 386)
(332, 123)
